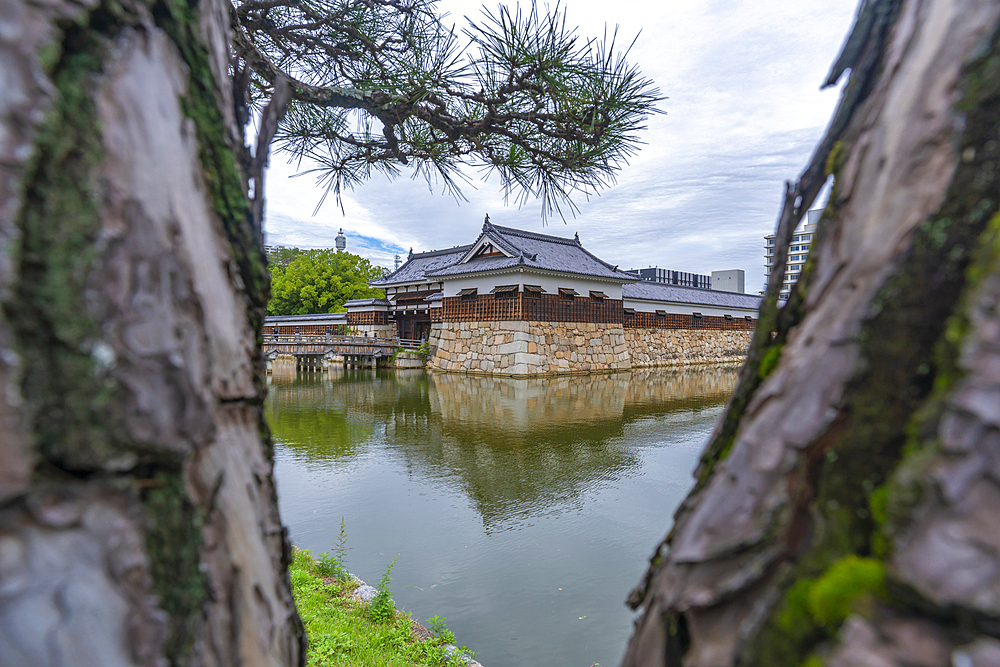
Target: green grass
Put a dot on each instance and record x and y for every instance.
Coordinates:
(345, 633)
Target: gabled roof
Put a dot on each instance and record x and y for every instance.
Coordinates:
(532, 251)
(419, 264)
(648, 290)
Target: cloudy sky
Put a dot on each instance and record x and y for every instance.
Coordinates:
(743, 115)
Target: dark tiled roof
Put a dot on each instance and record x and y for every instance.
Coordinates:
(278, 319)
(535, 251)
(653, 291)
(366, 302)
(421, 263)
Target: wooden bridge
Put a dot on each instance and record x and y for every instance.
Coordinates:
(355, 350)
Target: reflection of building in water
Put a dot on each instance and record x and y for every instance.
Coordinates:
(519, 446)
(519, 303)
(516, 405)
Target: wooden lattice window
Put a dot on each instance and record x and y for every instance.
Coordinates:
(696, 316)
(597, 297)
(630, 312)
(661, 313)
(533, 291)
(468, 294)
(567, 294)
(504, 292)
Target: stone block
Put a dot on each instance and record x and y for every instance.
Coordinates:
(511, 348)
(526, 358)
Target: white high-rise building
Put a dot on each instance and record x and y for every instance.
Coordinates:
(798, 252)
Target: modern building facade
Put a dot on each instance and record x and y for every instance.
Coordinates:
(669, 277)
(731, 280)
(798, 252)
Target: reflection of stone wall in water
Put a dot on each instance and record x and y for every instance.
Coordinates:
(657, 387)
(527, 404)
(542, 348)
(528, 442)
(284, 367)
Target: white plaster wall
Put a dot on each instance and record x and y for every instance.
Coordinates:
(413, 287)
(365, 309)
(549, 283)
(686, 308)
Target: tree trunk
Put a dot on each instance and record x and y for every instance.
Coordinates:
(138, 518)
(846, 508)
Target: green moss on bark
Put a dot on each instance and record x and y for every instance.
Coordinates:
(173, 541)
(69, 394)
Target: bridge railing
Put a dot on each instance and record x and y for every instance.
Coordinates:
(405, 343)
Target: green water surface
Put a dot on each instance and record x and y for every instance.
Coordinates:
(522, 510)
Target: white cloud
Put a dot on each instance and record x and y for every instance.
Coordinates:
(743, 115)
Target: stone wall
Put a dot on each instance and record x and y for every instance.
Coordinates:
(527, 348)
(408, 360)
(545, 348)
(674, 347)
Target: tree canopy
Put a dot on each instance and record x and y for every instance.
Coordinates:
(373, 85)
(319, 281)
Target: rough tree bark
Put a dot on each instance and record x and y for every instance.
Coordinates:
(138, 519)
(846, 508)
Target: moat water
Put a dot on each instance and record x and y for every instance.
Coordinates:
(522, 510)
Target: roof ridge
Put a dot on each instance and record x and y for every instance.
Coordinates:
(534, 235)
(433, 253)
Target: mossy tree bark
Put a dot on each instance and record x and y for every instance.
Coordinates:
(138, 518)
(846, 507)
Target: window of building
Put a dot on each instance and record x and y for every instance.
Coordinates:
(770, 242)
(728, 316)
(567, 294)
(696, 316)
(796, 239)
(661, 313)
(533, 291)
(807, 237)
(630, 312)
(597, 297)
(504, 292)
(468, 294)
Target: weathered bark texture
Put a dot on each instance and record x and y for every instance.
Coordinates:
(138, 518)
(846, 510)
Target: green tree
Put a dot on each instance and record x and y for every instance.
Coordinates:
(320, 281)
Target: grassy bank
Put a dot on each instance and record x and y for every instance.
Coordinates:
(344, 632)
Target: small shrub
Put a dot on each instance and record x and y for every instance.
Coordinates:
(382, 607)
(335, 564)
